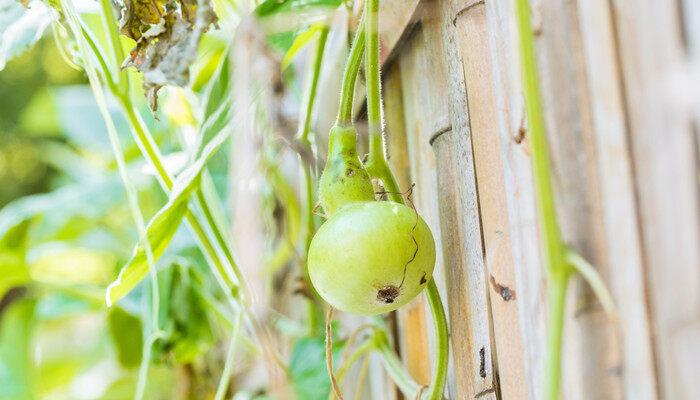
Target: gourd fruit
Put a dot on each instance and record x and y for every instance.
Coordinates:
(344, 179)
(371, 257)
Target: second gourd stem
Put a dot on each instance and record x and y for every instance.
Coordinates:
(558, 269)
(378, 167)
(303, 137)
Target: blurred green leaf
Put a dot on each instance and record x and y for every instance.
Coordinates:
(307, 367)
(60, 263)
(162, 385)
(40, 116)
(13, 271)
(16, 328)
(63, 301)
(272, 7)
(284, 20)
(162, 227)
(80, 119)
(216, 104)
(127, 336)
(21, 27)
(58, 209)
(184, 317)
(300, 42)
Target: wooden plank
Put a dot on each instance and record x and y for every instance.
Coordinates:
(473, 38)
(665, 160)
(621, 229)
(529, 277)
(447, 167)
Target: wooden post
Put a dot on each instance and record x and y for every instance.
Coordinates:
(472, 34)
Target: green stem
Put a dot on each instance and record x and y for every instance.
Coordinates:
(311, 90)
(347, 92)
(437, 386)
(555, 329)
(394, 367)
(373, 73)
(115, 46)
(557, 267)
(305, 132)
(541, 164)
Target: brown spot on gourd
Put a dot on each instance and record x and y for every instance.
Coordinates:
(422, 279)
(388, 294)
(349, 172)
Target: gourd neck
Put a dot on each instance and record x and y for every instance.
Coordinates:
(342, 141)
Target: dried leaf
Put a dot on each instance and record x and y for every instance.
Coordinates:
(167, 36)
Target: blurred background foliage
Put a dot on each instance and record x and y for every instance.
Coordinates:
(66, 228)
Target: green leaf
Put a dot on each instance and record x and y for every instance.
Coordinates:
(272, 7)
(162, 384)
(21, 27)
(280, 19)
(15, 351)
(13, 271)
(90, 199)
(307, 367)
(164, 224)
(184, 317)
(127, 336)
(216, 105)
(300, 42)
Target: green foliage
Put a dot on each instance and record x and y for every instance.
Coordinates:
(15, 350)
(272, 7)
(162, 227)
(183, 319)
(286, 20)
(125, 330)
(307, 367)
(299, 43)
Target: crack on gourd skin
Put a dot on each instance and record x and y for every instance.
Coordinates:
(408, 194)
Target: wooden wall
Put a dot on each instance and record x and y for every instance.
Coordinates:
(621, 88)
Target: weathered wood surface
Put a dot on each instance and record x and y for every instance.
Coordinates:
(665, 152)
(622, 113)
(624, 260)
(445, 181)
(472, 32)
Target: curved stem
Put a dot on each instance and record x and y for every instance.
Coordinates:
(347, 92)
(437, 386)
